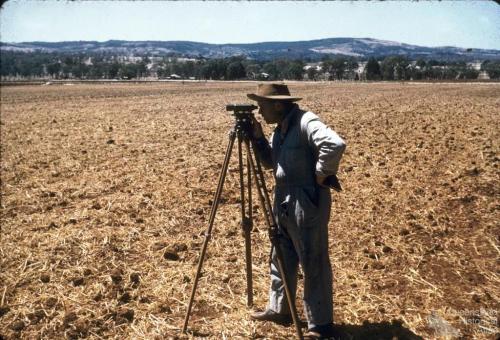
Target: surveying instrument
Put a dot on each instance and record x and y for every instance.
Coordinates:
(243, 131)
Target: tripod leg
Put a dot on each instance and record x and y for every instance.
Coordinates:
(248, 229)
(213, 211)
(245, 226)
(273, 235)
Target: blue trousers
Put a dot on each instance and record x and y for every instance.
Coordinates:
(302, 215)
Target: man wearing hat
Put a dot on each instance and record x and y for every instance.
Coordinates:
(305, 155)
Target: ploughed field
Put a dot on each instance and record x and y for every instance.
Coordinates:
(106, 191)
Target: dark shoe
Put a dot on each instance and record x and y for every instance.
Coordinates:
(322, 332)
(272, 316)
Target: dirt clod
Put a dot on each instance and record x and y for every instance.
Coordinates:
(145, 299)
(404, 232)
(159, 245)
(178, 247)
(124, 315)
(378, 265)
(78, 281)
(116, 275)
(45, 278)
(4, 310)
(386, 249)
(135, 278)
(36, 316)
(50, 302)
(171, 254)
(125, 298)
(17, 326)
(69, 318)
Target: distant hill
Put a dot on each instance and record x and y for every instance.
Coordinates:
(313, 49)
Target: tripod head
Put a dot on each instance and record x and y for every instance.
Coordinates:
(243, 115)
(241, 109)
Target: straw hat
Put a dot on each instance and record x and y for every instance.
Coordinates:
(273, 92)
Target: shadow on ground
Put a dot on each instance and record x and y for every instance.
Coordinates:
(375, 331)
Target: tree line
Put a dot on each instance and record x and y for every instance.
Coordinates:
(21, 65)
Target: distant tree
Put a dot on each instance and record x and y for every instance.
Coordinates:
(373, 69)
(387, 68)
(189, 69)
(295, 70)
(220, 69)
(492, 68)
(106, 65)
(448, 73)
(401, 64)
(7, 64)
(421, 63)
(351, 66)
(205, 71)
(327, 66)
(339, 67)
(282, 67)
(127, 71)
(213, 69)
(271, 69)
(141, 69)
(312, 73)
(395, 68)
(53, 69)
(69, 61)
(253, 71)
(235, 70)
(470, 73)
(175, 67)
(114, 70)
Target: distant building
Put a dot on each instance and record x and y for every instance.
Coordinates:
(476, 65)
(360, 72)
(483, 75)
(316, 66)
(263, 75)
(312, 69)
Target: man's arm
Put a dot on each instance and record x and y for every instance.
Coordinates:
(261, 145)
(328, 146)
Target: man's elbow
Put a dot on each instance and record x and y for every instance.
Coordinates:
(341, 146)
(264, 159)
(266, 164)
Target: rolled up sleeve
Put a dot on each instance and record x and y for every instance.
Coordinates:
(328, 145)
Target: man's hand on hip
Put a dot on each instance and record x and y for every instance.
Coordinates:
(320, 180)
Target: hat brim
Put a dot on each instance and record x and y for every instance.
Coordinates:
(256, 97)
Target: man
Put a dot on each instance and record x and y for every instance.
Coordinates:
(305, 156)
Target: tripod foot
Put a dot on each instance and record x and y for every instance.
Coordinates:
(272, 316)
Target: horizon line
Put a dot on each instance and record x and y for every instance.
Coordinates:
(245, 43)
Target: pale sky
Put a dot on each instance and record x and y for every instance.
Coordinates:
(469, 24)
